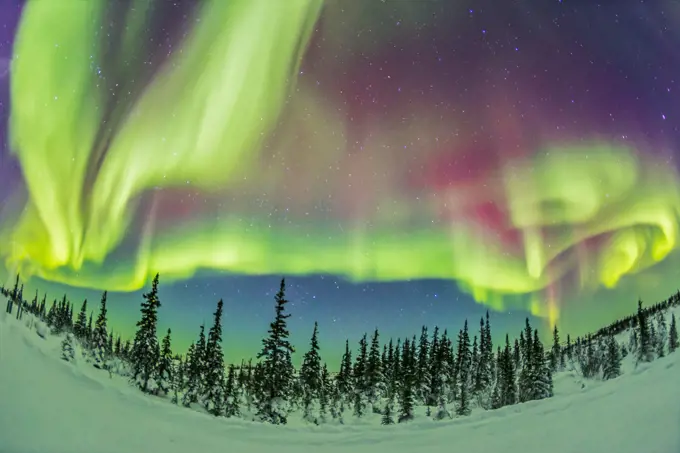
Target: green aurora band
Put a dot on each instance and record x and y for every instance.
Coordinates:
(204, 119)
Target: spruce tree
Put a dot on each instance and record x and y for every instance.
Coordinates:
(645, 351)
(395, 377)
(662, 335)
(51, 314)
(484, 369)
(310, 376)
(508, 388)
(407, 378)
(374, 376)
(463, 365)
(193, 374)
(423, 378)
(673, 342)
(358, 404)
(163, 372)
(516, 352)
(68, 352)
(387, 414)
(463, 406)
(541, 373)
(213, 381)
(344, 377)
(324, 394)
(99, 343)
(177, 378)
(385, 362)
(277, 365)
(34, 303)
(474, 364)
(489, 349)
(435, 370)
(556, 351)
(525, 381)
(612, 363)
(569, 347)
(80, 327)
(145, 349)
(125, 351)
(90, 331)
(109, 345)
(231, 396)
(359, 371)
(117, 350)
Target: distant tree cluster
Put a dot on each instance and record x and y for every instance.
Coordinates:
(389, 378)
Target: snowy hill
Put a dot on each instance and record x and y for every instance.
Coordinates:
(48, 405)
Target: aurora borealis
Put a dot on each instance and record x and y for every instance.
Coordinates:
(452, 155)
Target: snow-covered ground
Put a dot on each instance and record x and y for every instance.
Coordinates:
(51, 406)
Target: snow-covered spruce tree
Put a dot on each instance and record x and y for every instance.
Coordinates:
(163, 372)
(479, 372)
(51, 314)
(277, 367)
(384, 362)
(145, 349)
(588, 358)
(395, 370)
(109, 345)
(68, 351)
(388, 411)
(450, 370)
(612, 363)
(100, 338)
(80, 327)
(58, 317)
(177, 378)
(406, 383)
(541, 373)
(661, 334)
(231, 394)
(118, 348)
(213, 380)
(506, 376)
(645, 345)
(194, 369)
(524, 383)
(343, 380)
(325, 392)
(125, 351)
(516, 352)
(556, 351)
(673, 342)
(464, 364)
(90, 331)
(485, 369)
(359, 370)
(434, 373)
(423, 375)
(489, 350)
(374, 378)
(474, 363)
(440, 376)
(310, 378)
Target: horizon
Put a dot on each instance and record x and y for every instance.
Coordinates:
(300, 338)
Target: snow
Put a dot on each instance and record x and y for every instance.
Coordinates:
(50, 406)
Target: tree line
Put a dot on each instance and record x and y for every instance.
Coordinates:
(449, 377)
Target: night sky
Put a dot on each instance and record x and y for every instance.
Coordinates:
(400, 162)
